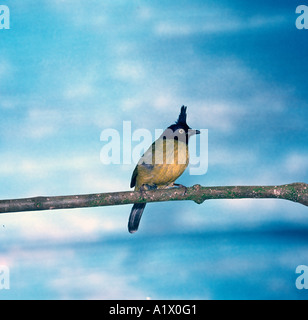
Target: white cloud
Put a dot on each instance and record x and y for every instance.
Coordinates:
(78, 91)
(16, 165)
(229, 157)
(5, 69)
(160, 99)
(81, 14)
(170, 29)
(40, 122)
(130, 103)
(89, 284)
(104, 180)
(297, 163)
(144, 13)
(218, 115)
(231, 92)
(163, 100)
(7, 102)
(209, 24)
(129, 70)
(79, 84)
(62, 226)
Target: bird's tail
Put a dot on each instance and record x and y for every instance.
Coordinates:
(135, 216)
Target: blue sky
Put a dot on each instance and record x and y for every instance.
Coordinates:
(70, 69)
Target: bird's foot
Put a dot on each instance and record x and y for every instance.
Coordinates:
(177, 185)
(146, 187)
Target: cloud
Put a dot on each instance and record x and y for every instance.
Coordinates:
(228, 93)
(169, 29)
(38, 123)
(81, 14)
(6, 69)
(80, 84)
(8, 102)
(30, 166)
(218, 115)
(229, 157)
(144, 13)
(65, 226)
(296, 163)
(82, 283)
(210, 24)
(104, 181)
(164, 99)
(78, 91)
(129, 70)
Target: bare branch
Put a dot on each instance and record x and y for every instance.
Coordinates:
(296, 192)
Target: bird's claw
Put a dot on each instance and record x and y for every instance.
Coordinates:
(180, 186)
(146, 187)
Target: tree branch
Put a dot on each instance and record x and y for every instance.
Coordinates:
(296, 192)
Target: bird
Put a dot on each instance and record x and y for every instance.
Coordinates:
(164, 161)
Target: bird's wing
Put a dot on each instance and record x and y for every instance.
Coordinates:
(146, 161)
(134, 177)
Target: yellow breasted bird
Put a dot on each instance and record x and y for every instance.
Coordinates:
(161, 164)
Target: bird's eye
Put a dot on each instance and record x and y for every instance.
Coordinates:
(181, 131)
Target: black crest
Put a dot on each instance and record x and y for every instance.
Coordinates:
(182, 117)
(181, 122)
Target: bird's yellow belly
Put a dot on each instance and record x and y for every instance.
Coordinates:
(167, 171)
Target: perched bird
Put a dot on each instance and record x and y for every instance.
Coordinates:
(161, 164)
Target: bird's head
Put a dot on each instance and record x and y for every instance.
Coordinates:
(180, 129)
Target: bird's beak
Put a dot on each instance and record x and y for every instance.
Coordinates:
(192, 132)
